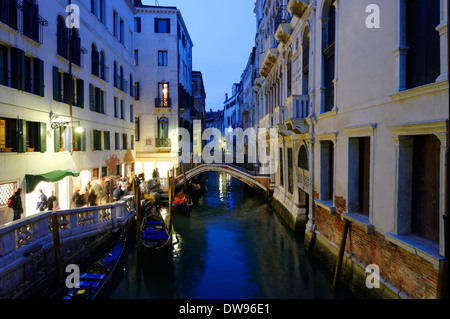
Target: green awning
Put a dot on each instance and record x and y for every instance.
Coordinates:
(55, 176)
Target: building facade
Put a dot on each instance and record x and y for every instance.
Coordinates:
(57, 77)
(362, 115)
(165, 94)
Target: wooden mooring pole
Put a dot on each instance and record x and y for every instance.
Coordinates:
(337, 272)
(137, 206)
(57, 245)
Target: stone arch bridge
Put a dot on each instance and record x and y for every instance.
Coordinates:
(255, 181)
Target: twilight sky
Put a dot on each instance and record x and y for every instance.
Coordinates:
(223, 33)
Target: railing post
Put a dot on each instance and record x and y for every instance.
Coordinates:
(57, 245)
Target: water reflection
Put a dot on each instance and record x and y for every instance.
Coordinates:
(232, 246)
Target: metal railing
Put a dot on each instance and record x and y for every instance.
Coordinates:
(163, 142)
(163, 102)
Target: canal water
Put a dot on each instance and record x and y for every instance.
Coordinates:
(232, 246)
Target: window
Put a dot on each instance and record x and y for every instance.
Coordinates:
(122, 32)
(303, 158)
(137, 128)
(131, 113)
(4, 78)
(9, 13)
(290, 161)
(117, 141)
(136, 57)
(163, 128)
(124, 141)
(122, 109)
(305, 62)
(137, 24)
(115, 24)
(17, 135)
(102, 11)
(116, 75)
(30, 12)
(62, 38)
(95, 61)
(104, 74)
(116, 107)
(163, 95)
(359, 175)
(422, 38)
(419, 185)
(328, 54)
(281, 168)
(79, 140)
(61, 138)
(162, 58)
(78, 92)
(96, 99)
(162, 25)
(106, 141)
(62, 83)
(96, 140)
(326, 170)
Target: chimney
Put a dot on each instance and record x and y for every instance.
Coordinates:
(226, 96)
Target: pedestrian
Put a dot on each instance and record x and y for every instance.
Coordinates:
(117, 193)
(154, 173)
(92, 198)
(107, 190)
(42, 201)
(77, 199)
(136, 181)
(157, 172)
(87, 188)
(17, 204)
(56, 205)
(50, 201)
(123, 183)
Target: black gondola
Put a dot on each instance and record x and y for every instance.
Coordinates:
(95, 275)
(155, 234)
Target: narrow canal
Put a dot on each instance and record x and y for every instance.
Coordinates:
(232, 246)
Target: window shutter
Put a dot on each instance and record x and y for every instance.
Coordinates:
(56, 88)
(38, 66)
(76, 51)
(67, 139)
(43, 137)
(67, 79)
(138, 25)
(80, 93)
(22, 135)
(17, 68)
(168, 25)
(91, 97)
(83, 141)
(97, 100)
(56, 139)
(106, 140)
(156, 25)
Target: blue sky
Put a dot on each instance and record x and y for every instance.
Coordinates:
(223, 33)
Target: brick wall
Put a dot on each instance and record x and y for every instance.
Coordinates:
(411, 274)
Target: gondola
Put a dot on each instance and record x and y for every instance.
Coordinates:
(95, 276)
(181, 203)
(155, 234)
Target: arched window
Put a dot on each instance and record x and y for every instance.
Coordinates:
(303, 158)
(305, 61)
(163, 128)
(95, 60)
(328, 54)
(75, 45)
(62, 38)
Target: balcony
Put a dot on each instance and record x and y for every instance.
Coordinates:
(163, 143)
(120, 83)
(163, 103)
(269, 56)
(297, 7)
(282, 24)
(297, 109)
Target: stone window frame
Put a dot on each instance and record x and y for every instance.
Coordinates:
(399, 235)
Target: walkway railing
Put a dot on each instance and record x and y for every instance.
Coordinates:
(19, 237)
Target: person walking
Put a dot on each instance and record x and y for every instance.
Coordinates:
(42, 201)
(107, 190)
(17, 204)
(92, 198)
(50, 201)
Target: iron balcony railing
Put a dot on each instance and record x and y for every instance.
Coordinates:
(283, 16)
(163, 142)
(162, 102)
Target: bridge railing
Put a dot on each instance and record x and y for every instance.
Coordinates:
(19, 237)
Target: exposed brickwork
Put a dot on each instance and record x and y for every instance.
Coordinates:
(341, 204)
(411, 274)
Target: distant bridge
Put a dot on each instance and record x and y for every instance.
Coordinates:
(253, 180)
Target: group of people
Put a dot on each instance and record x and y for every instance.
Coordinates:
(99, 192)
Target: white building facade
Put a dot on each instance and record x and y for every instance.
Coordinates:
(362, 114)
(55, 79)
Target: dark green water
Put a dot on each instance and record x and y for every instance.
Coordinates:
(232, 246)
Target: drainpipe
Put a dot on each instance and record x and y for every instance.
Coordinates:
(71, 88)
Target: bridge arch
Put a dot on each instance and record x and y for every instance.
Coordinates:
(255, 181)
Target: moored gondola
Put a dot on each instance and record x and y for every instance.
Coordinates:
(155, 234)
(182, 203)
